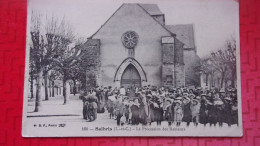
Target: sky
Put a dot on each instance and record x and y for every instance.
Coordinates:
(215, 21)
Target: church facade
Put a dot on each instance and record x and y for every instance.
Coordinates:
(135, 48)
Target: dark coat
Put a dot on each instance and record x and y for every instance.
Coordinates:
(227, 113)
(135, 114)
(212, 114)
(187, 113)
(220, 113)
(143, 116)
(156, 112)
(110, 106)
(234, 114)
(169, 113)
(119, 108)
(127, 111)
(203, 114)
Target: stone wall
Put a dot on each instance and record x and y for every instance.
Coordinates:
(167, 61)
(148, 51)
(179, 72)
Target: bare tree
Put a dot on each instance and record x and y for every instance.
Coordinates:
(205, 68)
(219, 61)
(231, 52)
(221, 65)
(36, 55)
(47, 45)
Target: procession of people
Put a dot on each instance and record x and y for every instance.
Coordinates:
(177, 106)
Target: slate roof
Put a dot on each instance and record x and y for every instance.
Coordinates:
(152, 9)
(184, 32)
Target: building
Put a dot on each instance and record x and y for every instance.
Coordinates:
(135, 47)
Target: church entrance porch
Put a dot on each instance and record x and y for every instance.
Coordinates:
(130, 77)
(129, 74)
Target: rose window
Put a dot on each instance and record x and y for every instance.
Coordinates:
(130, 39)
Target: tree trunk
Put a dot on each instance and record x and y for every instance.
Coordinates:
(31, 83)
(74, 87)
(212, 80)
(52, 83)
(83, 83)
(38, 99)
(65, 91)
(222, 78)
(207, 79)
(46, 87)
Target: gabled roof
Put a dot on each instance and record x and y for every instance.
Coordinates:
(152, 9)
(184, 32)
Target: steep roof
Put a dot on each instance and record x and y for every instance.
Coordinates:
(184, 32)
(152, 9)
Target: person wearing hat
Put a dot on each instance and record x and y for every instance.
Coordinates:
(191, 96)
(179, 91)
(169, 113)
(122, 91)
(220, 111)
(143, 110)
(178, 112)
(190, 91)
(126, 102)
(222, 94)
(195, 109)
(203, 115)
(156, 110)
(227, 109)
(212, 113)
(119, 109)
(234, 113)
(135, 111)
(186, 110)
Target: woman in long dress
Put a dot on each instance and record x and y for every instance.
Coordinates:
(135, 112)
(186, 110)
(178, 113)
(195, 109)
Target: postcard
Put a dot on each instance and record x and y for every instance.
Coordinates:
(163, 68)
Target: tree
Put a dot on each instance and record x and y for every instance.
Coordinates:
(231, 60)
(67, 63)
(47, 45)
(32, 75)
(90, 63)
(36, 54)
(53, 75)
(205, 68)
(221, 65)
(219, 61)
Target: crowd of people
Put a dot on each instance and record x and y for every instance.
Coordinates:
(150, 104)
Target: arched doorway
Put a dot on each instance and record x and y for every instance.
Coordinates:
(130, 77)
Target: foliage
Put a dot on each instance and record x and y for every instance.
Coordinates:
(221, 64)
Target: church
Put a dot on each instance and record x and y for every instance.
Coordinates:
(136, 48)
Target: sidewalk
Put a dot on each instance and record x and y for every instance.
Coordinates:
(54, 107)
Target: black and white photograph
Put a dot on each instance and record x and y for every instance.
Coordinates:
(105, 68)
